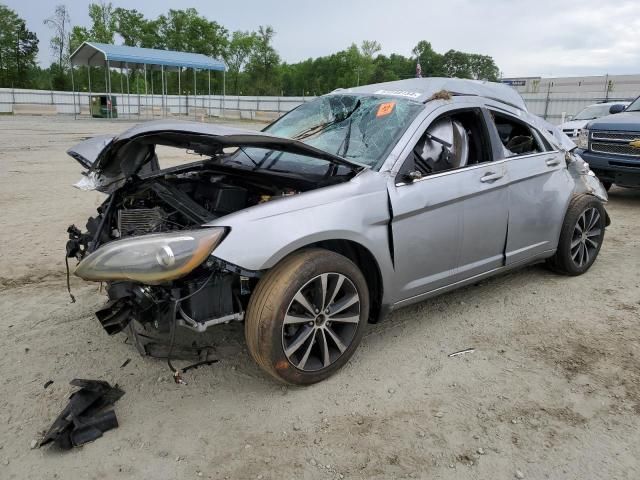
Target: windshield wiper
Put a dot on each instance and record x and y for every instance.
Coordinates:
(347, 140)
(323, 126)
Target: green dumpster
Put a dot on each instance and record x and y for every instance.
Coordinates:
(102, 107)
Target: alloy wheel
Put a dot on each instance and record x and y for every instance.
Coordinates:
(586, 237)
(321, 321)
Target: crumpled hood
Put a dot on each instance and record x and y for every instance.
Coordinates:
(623, 122)
(116, 158)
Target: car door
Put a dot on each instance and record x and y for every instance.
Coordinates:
(538, 194)
(450, 225)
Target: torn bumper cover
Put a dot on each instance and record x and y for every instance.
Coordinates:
(211, 295)
(84, 420)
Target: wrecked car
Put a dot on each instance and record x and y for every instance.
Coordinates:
(350, 206)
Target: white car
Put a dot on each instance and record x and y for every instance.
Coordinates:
(572, 127)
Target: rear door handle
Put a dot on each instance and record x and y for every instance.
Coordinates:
(491, 177)
(553, 162)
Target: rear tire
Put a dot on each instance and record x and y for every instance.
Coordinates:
(307, 316)
(581, 236)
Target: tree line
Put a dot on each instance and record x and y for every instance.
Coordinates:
(254, 65)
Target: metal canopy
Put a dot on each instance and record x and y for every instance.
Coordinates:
(120, 56)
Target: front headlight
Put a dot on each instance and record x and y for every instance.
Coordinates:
(583, 139)
(151, 259)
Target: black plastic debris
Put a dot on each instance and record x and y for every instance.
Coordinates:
(84, 419)
(48, 384)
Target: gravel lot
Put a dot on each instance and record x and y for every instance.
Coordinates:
(551, 391)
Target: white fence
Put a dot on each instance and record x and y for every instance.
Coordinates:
(140, 106)
(556, 106)
(550, 104)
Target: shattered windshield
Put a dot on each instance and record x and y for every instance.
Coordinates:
(360, 128)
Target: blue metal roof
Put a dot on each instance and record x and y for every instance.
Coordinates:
(97, 54)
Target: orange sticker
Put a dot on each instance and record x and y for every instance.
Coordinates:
(385, 109)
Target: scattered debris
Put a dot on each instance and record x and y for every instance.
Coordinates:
(519, 474)
(462, 352)
(83, 419)
(48, 384)
(126, 362)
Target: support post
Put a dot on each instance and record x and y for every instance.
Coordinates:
(152, 99)
(73, 93)
(90, 97)
(195, 93)
(162, 81)
(179, 92)
(128, 95)
(146, 93)
(209, 98)
(224, 88)
(109, 102)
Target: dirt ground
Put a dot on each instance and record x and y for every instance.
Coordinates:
(551, 391)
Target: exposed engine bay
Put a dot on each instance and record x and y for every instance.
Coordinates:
(173, 200)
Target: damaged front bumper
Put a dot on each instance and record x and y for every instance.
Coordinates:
(158, 282)
(215, 294)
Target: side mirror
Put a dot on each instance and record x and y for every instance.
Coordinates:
(617, 108)
(412, 176)
(570, 117)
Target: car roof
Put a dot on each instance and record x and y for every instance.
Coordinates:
(422, 89)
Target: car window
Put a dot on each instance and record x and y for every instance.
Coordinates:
(455, 140)
(517, 137)
(593, 111)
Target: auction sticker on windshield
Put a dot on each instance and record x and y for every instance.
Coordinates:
(398, 93)
(385, 109)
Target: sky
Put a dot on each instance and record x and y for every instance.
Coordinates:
(525, 37)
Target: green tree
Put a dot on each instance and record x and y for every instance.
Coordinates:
(263, 63)
(430, 61)
(456, 64)
(483, 67)
(103, 22)
(187, 31)
(369, 48)
(18, 49)
(238, 53)
(130, 25)
(60, 22)
(79, 35)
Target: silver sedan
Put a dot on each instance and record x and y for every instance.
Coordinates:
(352, 205)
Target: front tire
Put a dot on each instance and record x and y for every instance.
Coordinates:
(307, 316)
(581, 236)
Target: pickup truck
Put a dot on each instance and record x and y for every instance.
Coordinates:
(611, 147)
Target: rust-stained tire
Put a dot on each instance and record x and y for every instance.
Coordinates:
(273, 298)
